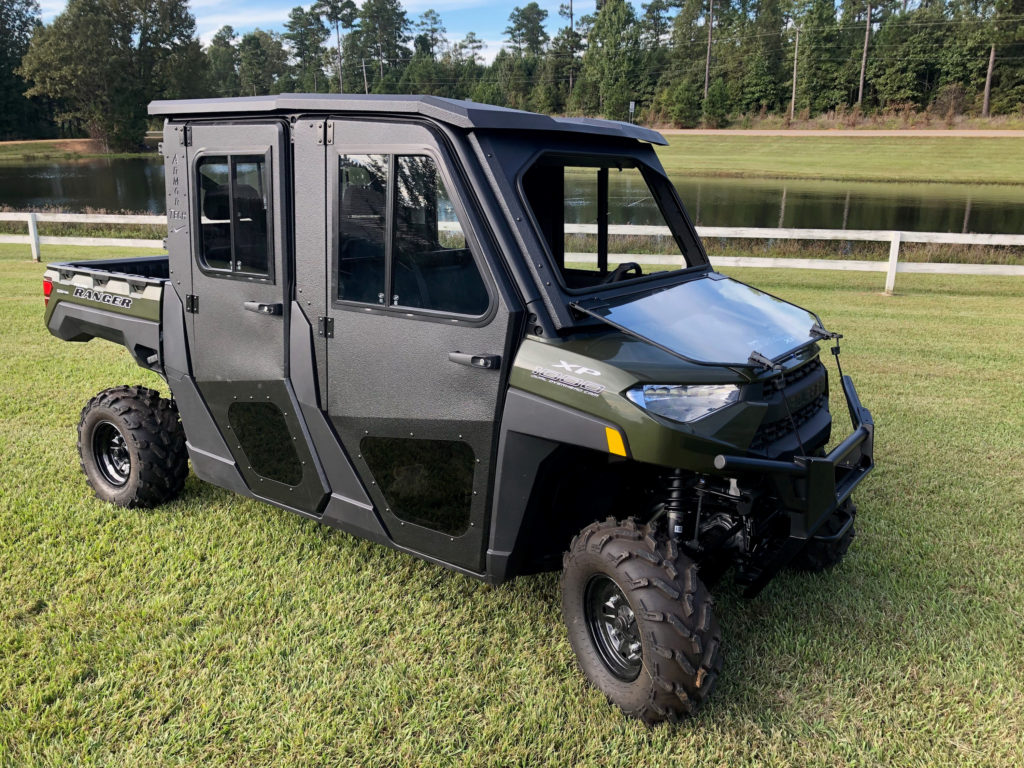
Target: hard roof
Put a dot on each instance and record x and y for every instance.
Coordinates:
(462, 114)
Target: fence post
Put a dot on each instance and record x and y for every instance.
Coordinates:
(894, 257)
(33, 233)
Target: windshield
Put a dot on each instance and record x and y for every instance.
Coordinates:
(604, 221)
(711, 320)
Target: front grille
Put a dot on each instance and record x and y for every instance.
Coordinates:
(771, 431)
(791, 377)
(806, 389)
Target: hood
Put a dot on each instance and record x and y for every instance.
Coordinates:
(712, 320)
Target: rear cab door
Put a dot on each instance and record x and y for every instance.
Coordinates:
(238, 306)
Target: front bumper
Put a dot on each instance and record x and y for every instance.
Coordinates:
(812, 488)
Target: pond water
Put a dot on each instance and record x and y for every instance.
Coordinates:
(137, 185)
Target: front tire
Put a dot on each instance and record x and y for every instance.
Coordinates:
(132, 447)
(640, 621)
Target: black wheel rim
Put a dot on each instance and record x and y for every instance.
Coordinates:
(111, 452)
(613, 628)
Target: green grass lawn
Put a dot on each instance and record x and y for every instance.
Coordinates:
(849, 158)
(217, 631)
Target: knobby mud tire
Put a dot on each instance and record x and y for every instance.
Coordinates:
(673, 611)
(152, 460)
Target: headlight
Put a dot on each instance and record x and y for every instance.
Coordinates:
(684, 402)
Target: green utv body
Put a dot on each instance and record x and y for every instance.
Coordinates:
(405, 317)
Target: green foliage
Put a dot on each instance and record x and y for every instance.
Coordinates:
(763, 72)
(525, 29)
(306, 34)
(342, 15)
(102, 61)
(685, 105)
(19, 117)
(380, 40)
(820, 85)
(906, 68)
(223, 58)
(717, 104)
(611, 63)
(930, 55)
(262, 64)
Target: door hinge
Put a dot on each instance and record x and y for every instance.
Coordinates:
(191, 303)
(184, 135)
(325, 132)
(325, 327)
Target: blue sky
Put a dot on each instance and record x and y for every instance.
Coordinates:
(488, 18)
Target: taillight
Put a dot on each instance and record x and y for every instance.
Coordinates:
(47, 290)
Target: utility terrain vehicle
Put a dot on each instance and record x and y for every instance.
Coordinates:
(405, 317)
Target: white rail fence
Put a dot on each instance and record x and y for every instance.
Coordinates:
(890, 267)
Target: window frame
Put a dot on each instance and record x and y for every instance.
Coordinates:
(456, 197)
(267, 153)
(673, 216)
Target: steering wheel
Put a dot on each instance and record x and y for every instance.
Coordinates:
(620, 272)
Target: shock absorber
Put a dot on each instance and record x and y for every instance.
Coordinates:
(674, 507)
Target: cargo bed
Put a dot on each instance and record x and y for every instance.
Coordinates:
(114, 299)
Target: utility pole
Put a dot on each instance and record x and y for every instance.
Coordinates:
(341, 65)
(572, 46)
(864, 57)
(707, 62)
(366, 85)
(988, 80)
(796, 52)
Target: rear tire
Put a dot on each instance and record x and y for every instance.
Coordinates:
(640, 621)
(819, 556)
(132, 447)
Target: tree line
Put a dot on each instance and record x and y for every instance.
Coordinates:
(684, 62)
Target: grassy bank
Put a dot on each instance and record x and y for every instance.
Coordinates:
(217, 631)
(63, 229)
(64, 150)
(848, 158)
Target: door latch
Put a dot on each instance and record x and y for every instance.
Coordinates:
(263, 309)
(490, 362)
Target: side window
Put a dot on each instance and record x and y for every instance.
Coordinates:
(362, 227)
(428, 264)
(234, 214)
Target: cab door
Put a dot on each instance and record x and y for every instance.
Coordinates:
(419, 330)
(238, 306)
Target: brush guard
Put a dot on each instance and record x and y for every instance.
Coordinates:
(812, 488)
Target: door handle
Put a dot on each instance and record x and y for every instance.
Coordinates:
(263, 309)
(490, 362)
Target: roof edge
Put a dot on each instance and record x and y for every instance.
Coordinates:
(468, 115)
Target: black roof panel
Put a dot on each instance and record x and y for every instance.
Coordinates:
(461, 114)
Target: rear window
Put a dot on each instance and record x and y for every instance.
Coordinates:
(604, 221)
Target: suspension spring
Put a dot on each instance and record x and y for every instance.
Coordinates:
(674, 506)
